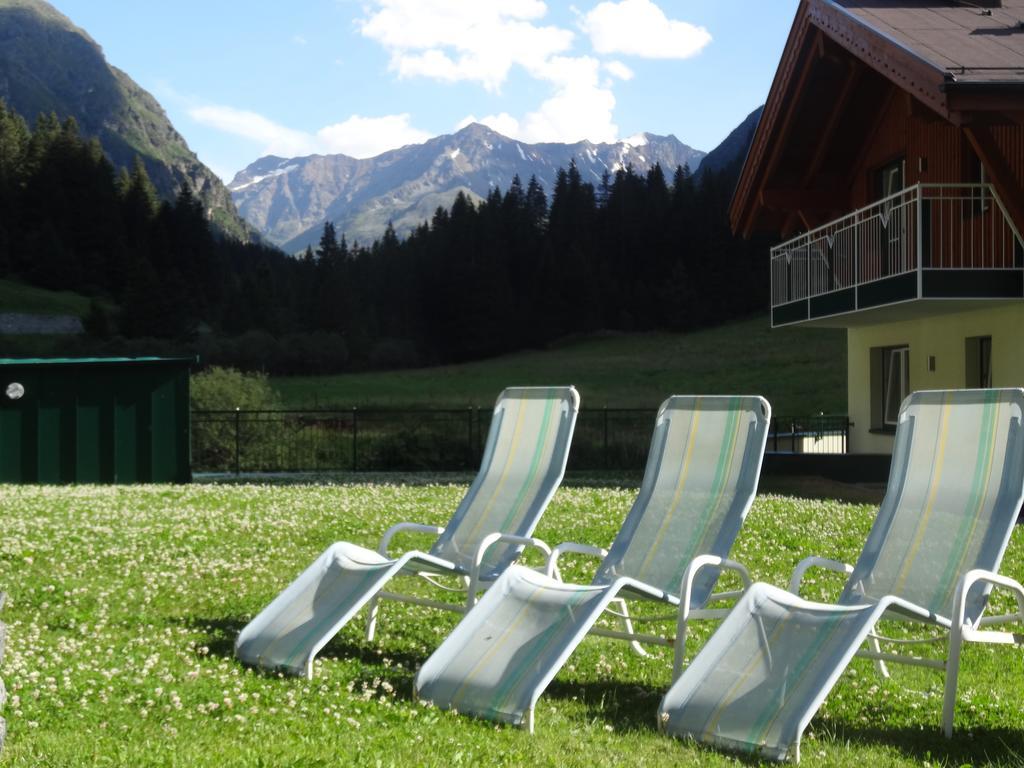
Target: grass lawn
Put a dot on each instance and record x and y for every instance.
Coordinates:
(800, 370)
(125, 601)
(27, 299)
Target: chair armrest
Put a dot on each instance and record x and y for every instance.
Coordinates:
(975, 576)
(486, 543)
(491, 539)
(686, 594)
(389, 534)
(551, 567)
(707, 561)
(815, 562)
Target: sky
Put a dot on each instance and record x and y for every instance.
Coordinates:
(241, 79)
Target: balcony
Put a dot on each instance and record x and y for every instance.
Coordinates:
(947, 243)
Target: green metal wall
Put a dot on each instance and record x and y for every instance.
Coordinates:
(95, 421)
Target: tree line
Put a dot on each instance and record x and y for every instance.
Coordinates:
(627, 252)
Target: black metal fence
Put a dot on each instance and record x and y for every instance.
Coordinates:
(373, 439)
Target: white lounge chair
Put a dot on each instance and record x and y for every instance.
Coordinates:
(955, 487)
(523, 464)
(701, 478)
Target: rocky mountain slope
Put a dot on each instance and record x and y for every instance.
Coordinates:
(47, 64)
(288, 199)
(733, 149)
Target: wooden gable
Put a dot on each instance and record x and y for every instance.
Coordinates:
(850, 94)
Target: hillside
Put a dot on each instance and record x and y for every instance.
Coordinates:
(288, 199)
(801, 371)
(30, 300)
(733, 149)
(47, 64)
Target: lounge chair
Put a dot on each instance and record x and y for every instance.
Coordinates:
(701, 477)
(523, 463)
(955, 486)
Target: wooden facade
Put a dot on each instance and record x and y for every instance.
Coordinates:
(889, 160)
(847, 102)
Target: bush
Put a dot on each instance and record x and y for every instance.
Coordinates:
(225, 389)
(214, 437)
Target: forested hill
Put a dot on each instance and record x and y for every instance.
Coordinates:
(48, 65)
(521, 268)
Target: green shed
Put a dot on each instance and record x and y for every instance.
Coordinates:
(94, 420)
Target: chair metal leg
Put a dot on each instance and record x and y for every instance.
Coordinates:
(371, 619)
(680, 642)
(956, 641)
(627, 624)
(877, 648)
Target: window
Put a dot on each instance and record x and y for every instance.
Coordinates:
(890, 178)
(892, 241)
(890, 385)
(895, 382)
(979, 362)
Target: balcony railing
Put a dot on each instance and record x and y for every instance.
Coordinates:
(894, 250)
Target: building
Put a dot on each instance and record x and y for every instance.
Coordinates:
(890, 158)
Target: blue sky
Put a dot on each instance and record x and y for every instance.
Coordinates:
(244, 78)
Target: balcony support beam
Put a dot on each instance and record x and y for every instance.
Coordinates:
(854, 72)
(1003, 178)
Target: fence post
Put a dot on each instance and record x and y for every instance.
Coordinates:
(792, 435)
(469, 437)
(775, 433)
(238, 442)
(355, 439)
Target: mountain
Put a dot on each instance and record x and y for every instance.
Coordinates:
(47, 64)
(288, 199)
(733, 149)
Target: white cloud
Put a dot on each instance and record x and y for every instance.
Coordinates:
(503, 123)
(357, 136)
(369, 136)
(617, 69)
(464, 40)
(641, 28)
(481, 41)
(579, 108)
(276, 139)
(299, 40)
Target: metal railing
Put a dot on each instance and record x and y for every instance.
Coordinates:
(373, 439)
(926, 226)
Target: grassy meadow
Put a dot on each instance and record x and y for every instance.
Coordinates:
(29, 300)
(125, 601)
(801, 371)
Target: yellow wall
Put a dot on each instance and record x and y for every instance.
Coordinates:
(942, 336)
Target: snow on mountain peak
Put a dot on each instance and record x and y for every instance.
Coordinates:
(280, 171)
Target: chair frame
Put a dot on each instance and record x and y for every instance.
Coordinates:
(960, 630)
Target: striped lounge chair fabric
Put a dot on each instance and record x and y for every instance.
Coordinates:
(955, 487)
(701, 477)
(523, 464)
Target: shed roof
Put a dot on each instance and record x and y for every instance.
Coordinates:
(17, 361)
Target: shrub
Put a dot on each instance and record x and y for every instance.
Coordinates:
(224, 389)
(214, 437)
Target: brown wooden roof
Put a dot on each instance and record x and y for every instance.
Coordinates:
(840, 61)
(968, 43)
